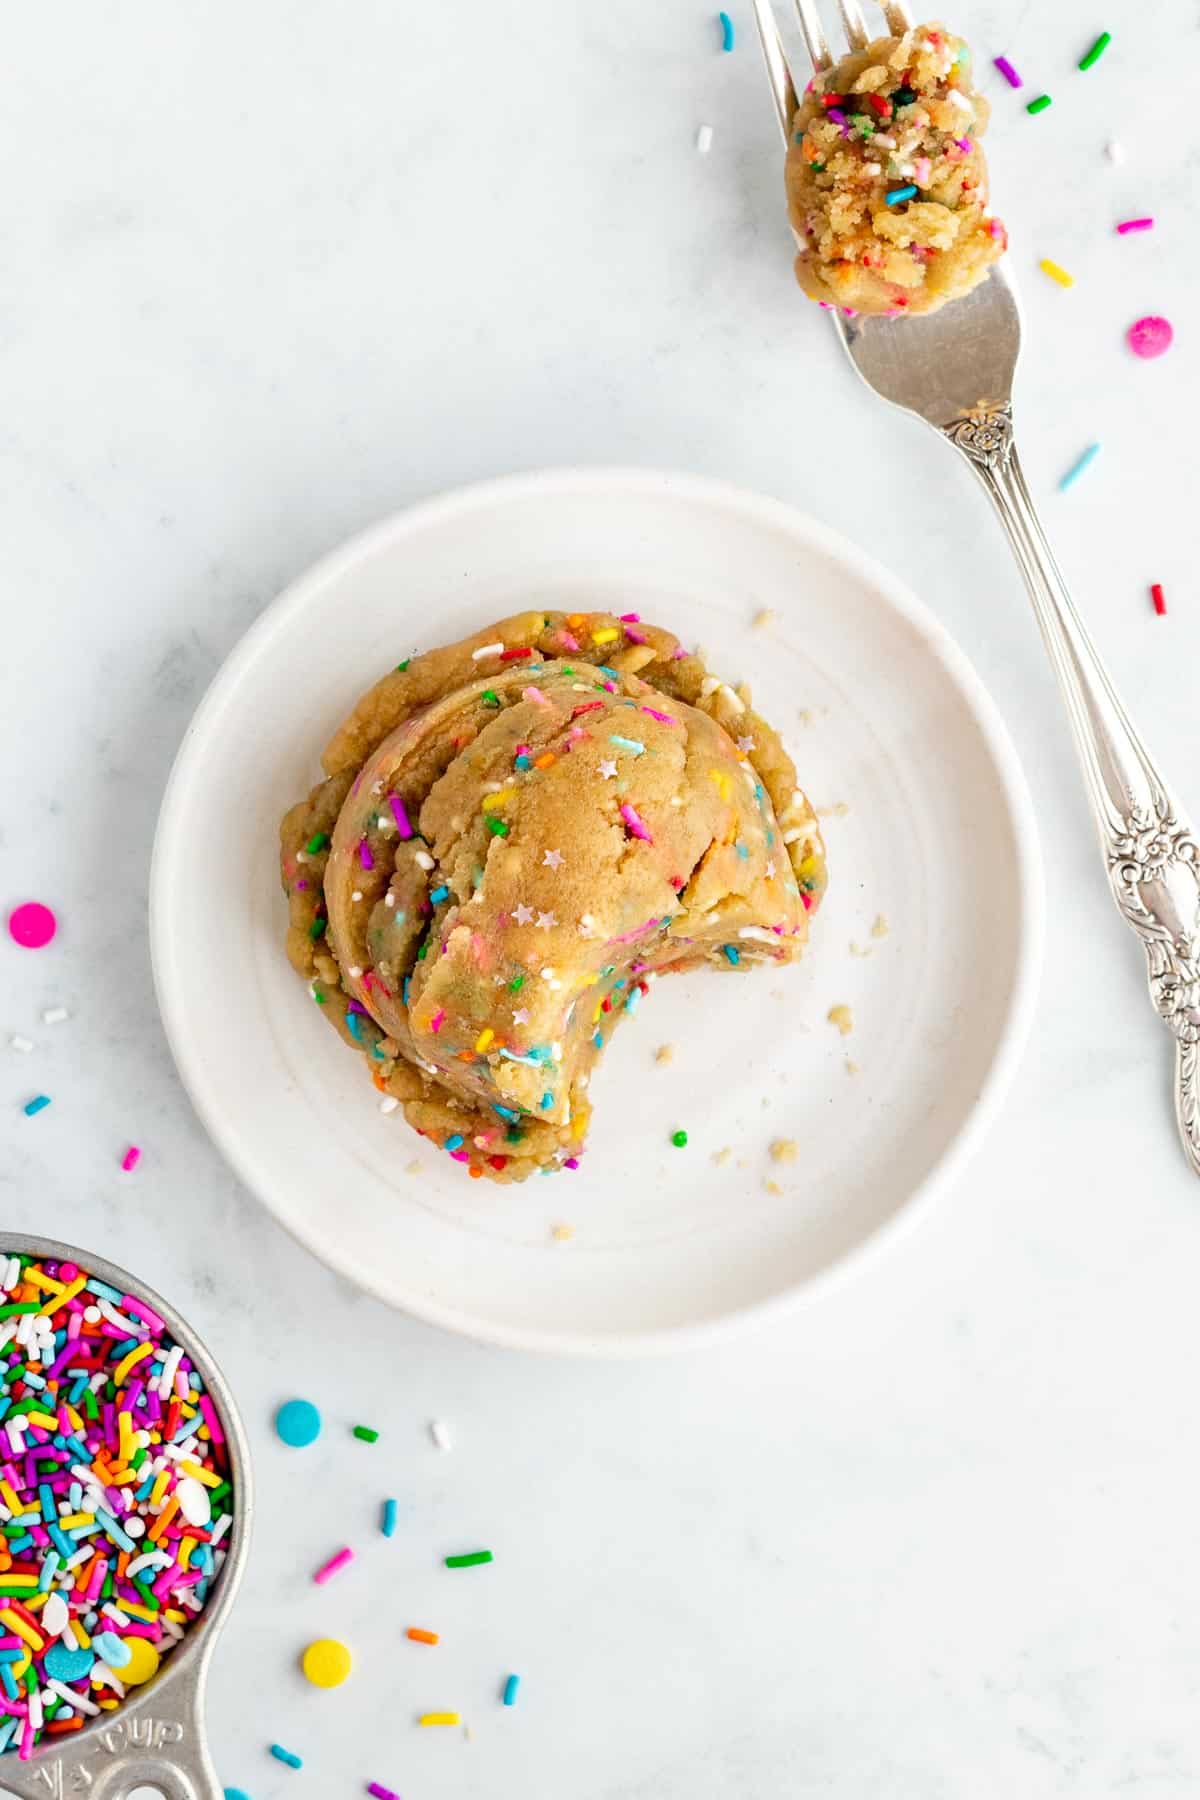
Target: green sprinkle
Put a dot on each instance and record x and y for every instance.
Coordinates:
(316, 928)
(903, 96)
(316, 843)
(679, 1139)
(15, 1308)
(817, 168)
(498, 827)
(1040, 104)
(516, 984)
(633, 744)
(490, 697)
(469, 1561)
(366, 1434)
(319, 997)
(400, 667)
(1097, 50)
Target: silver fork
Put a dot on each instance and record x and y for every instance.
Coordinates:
(954, 369)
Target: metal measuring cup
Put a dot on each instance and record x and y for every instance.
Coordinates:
(154, 1742)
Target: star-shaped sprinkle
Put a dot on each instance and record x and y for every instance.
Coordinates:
(586, 925)
(770, 867)
(552, 859)
(745, 743)
(608, 768)
(523, 914)
(521, 1016)
(545, 920)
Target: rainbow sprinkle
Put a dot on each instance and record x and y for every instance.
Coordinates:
(115, 1491)
(329, 1569)
(1009, 73)
(727, 36)
(1056, 273)
(1127, 225)
(1076, 470)
(470, 1560)
(1091, 57)
(1040, 104)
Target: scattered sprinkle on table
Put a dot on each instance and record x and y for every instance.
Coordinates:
(510, 1690)
(286, 1756)
(727, 37)
(388, 1523)
(23, 1044)
(421, 1637)
(32, 925)
(679, 1139)
(326, 1663)
(438, 1719)
(1150, 337)
(55, 1015)
(1040, 104)
(1126, 225)
(704, 138)
(1092, 56)
(366, 1434)
(1156, 594)
(1009, 73)
(1056, 273)
(439, 1431)
(236, 1794)
(328, 1570)
(470, 1560)
(1077, 468)
(377, 1791)
(38, 1104)
(131, 1158)
(298, 1423)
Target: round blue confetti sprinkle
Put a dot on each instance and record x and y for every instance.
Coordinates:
(298, 1423)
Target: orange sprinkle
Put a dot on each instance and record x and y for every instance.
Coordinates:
(474, 1171)
(163, 1520)
(75, 1724)
(544, 761)
(421, 1637)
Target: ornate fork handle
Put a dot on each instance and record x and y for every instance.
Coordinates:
(1150, 850)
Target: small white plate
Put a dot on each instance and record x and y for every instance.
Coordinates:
(932, 829)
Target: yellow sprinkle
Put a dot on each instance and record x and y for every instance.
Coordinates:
(85, 1642)
(491, 801)
(608, 636)
(722, 781)
(131, 1361)
(158, 1492)
(173, 1612)
(484, 1039)
(35, 1602)
(125, 1435)
(186, 1546)
(25, 1632)
(137, 1612)
(807, 867)
(109, 1705)
(47, 1283)
(22, 1668)
(47, 1421)
(75, 1419)
(209, 1477)
(22, 1581)
(435, 1718)
(1056, 273)
(9, 1498)
(73, 1520)
(63, 1295)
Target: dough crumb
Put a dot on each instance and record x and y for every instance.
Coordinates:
(881, 927)
(806, 716)
(842, 1017)
(852, 1067)
(763, 618)
(562, 1234)
(664, 1055)
(722, 1156)
(838, 810)
(857, 949)
(784, 1150)
(413, 1168)
(772, 1187)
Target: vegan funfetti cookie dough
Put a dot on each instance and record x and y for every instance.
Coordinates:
(886, 181)
(516, 835)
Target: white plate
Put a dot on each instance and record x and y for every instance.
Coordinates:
(886, 719)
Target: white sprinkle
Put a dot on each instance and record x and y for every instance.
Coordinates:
(704, 138)
(36, 1716)
(54, 1015)
(79, 1701)
(1114, 152)
(423, 860)
(439, 1431)
(357, 894)
(23, 1044)
(959, 100)
(389, 899)
(789, 837)
(757, 934)
(354, 971)
(486, 650)
(221, 1527)
(55, 1616)
(388, 1104)
(194, 1502)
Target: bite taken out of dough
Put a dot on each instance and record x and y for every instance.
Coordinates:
(517, 835)
(886, 179)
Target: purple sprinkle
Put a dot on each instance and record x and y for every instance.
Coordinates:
(364, 854)
(631, 618)
(572, 1162)
(1135, 225)
(301, 884)
(400, 815)
(1009, 73)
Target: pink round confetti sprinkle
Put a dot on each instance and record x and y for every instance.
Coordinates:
(1151, 336)
(32, 925)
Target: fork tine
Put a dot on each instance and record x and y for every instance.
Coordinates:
(783, 90)
(899, 19)
(855, 24)
(814, 37)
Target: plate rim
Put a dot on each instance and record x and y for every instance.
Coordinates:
(935, 639)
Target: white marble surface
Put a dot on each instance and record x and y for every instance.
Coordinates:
(271, 271)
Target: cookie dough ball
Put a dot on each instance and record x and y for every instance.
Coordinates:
(886, 180)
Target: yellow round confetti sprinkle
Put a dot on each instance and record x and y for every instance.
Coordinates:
(142, 1664)
(326, 1663)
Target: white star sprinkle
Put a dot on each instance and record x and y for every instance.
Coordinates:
(608, 768)
(521, 1016)
(523, 914)
(770, 867)
(552, 859)
(586, 925)
(545, 920)
(745, 743)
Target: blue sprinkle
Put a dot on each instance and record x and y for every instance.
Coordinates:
(9, 1680)
(388, 1526)
(68, 1665)
(726, 31)
(438, 895)
(742, 852)
(298, 1423)
(38, 1104)
(31, 1380)
(50, 1562)
(102, 1288)
(354, 1027)
(899, 194)
(522, 762)
(113, 1649)
(506, 1112)
(454, 1143)
(111, 1530)
(628, 744)
(547, 1098)
(286, 1756)
(1069, 479)
(631, 1002)
(605, 670)
(598, 1040)
(510, 1689)
(734, 956)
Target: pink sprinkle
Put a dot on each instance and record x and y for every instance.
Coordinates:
(807, 899)
(636, 637)
(609, 687)
(922, 169)
(631, 619)
(964, 144)
(460, 1155)
(364, 854)
(435, 1024)
(522, 750)
(333, 1565)
(1150, 337)
(209, 1414)
(678, 654)
(636, 824)
(663, 718)
(567, 641)
(131, 1158)
(535, 695)
(572, 1162)
(1009, 73)
(1135, 225)
(400, 815)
